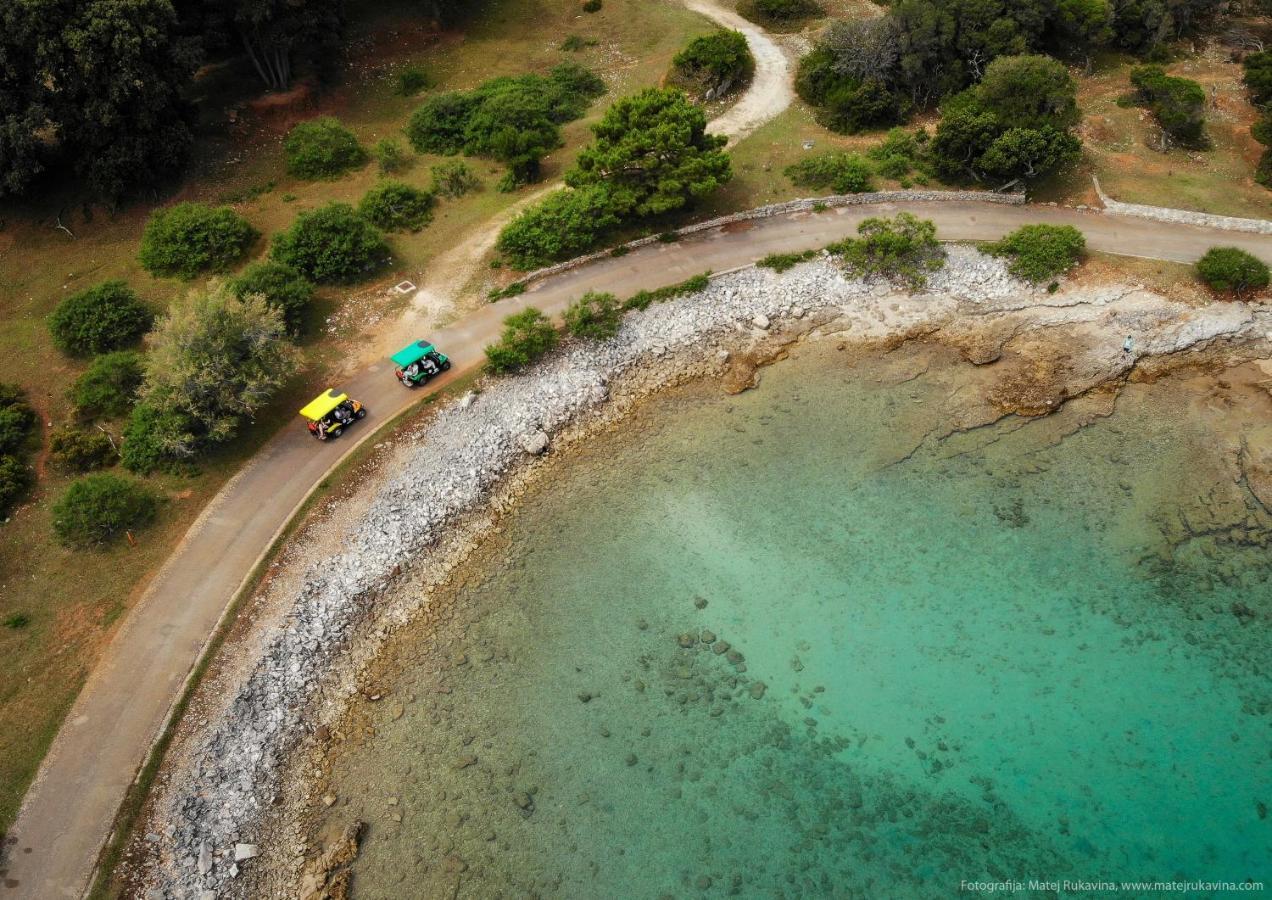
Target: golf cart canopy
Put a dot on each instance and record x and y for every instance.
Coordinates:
(323, 404)
(412, 352)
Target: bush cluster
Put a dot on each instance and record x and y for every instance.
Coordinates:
(643, 299)
(108, 388)
(1041, 252)
(841, 172)
(1015, 126)
(158, 439)
(99, 508)
(15, 478)
(717, 62)
(595, 315)
(1232, 270)
(904, 248)
(526, 336)
(453, 178)
(17, 419)
(846, 102)
(779, 12)
(1178, 104)
(190, 238)
(331, 244)
(562, 225)
(1258, 79)
(81, 449)
(322, 149)
(515, 120)
(390, 156)
(396, 206)
(781, 262)
(106, 317)
(283, 288)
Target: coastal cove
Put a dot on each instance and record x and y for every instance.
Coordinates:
(263, 729)
(797, 642)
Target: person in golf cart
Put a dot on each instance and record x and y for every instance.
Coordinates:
(329, 413)
(419, 361)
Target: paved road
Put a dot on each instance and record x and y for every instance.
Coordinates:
(69, 809)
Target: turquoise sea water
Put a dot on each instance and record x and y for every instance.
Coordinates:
(1017, 653)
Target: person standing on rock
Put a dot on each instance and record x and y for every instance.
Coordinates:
(1127, 344)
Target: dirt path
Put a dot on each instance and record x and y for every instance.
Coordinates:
(68, 811)
(767, 96)
(772, 88)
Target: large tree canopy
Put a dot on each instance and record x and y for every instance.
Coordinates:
(652, 154)
(98, 82)
(1014, 126)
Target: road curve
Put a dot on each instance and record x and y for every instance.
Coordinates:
(69, 809)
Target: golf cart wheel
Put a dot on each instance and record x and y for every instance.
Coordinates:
(446, 365)
(362, 413)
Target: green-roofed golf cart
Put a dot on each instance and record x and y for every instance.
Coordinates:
(419, 361)
(329, 413)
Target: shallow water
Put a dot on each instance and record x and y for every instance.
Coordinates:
(1009, 654)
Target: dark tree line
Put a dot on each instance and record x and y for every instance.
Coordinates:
(101, 87)
(873, 72)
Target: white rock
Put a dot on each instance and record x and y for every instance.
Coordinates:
(245, 851)
(722, 355)
(798, 312)
(205, 858)
(760, 321)
(534, 443)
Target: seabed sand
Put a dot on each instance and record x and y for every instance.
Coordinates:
(238, 771)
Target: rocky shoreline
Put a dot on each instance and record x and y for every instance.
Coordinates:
(218, 826)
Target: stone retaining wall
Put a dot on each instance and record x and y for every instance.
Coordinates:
(790, 206)
(1181, 216)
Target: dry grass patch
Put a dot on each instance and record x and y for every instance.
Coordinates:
(1117, 143)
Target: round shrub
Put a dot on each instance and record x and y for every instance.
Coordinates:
(1041, 252)
(1232, 270)
(190, 238)
(438, 126)
(16, 418)
(157, 439)
(526, 336)
(591, 6)
(103, 318)
(715, 61)
(595, 315)
(395, 206)
(390, 155)
(322, 148)
(412, 80)
(81, 449)
(283, 288)
(15, 478)
(561, 225)
(99, 508)
(453, 178)
(108, 388)
(331, 244)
